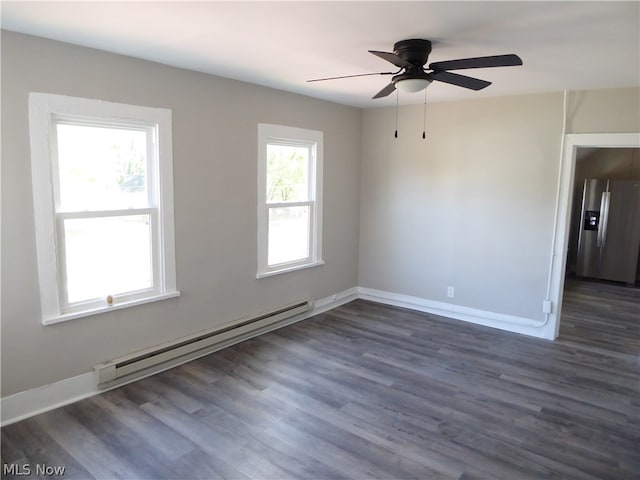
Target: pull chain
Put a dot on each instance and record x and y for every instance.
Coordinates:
(396, 133)
(424, 116)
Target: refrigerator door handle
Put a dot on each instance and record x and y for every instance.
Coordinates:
(582, 214)
(604, 219)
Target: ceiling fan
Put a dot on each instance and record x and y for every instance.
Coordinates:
(410, 56)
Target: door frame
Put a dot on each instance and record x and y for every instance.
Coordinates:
(566, 181)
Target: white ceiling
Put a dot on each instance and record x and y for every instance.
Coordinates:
(564, 45)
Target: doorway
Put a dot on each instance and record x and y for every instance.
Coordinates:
(616, 170)
(566, 188)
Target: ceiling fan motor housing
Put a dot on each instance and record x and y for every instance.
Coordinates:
(415, 51)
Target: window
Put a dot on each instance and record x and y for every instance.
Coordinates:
(103, 204)
(290, 199)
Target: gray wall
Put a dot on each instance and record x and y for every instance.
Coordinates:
(215, 156)
(473, 205)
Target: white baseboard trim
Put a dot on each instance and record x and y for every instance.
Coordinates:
(333, 301)
(47, 397)
(28, 403)
(501, 321)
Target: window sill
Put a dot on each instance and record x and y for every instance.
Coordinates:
(271, 273)
(63, 317)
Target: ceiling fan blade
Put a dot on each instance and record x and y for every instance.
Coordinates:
(393, 58)
(460, 80)
(509, 60)
(385, 91)
(350, 76)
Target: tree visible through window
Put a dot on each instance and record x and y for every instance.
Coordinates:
(289, 224)
(287, 173)
(104, 171)
(288, 186)
(102, 189)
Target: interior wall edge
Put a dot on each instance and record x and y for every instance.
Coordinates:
(510, 323)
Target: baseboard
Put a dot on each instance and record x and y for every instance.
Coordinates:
(47, 397)
(333, 301)
(511, 323)
(22, 405)
(28, 403)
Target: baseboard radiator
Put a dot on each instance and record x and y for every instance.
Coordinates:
(162, 357)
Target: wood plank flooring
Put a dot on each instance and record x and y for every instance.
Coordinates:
(370, 391)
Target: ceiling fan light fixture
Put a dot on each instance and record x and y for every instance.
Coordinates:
(412, 85)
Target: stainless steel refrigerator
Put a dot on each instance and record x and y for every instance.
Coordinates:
(609, 237)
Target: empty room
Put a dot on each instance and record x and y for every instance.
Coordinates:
(320, 240)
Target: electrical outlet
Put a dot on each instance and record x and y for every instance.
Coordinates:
(450, 292)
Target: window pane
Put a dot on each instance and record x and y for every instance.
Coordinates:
(287, 174)
(107, 256)
(288, 234)
(101, 168)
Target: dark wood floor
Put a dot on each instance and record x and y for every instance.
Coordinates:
(371, 391)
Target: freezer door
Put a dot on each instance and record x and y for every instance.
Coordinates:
(590, 234)
(621, 232)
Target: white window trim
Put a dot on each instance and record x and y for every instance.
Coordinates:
(43, 108)
(289, 135)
